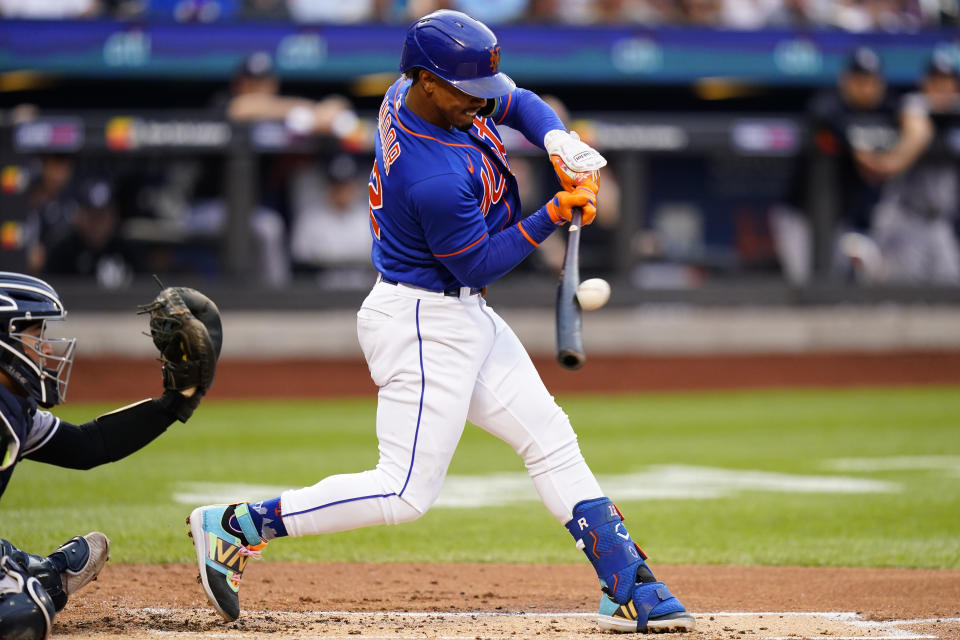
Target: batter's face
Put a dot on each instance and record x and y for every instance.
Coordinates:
(449, 106)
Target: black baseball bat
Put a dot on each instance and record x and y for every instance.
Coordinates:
(570, 353)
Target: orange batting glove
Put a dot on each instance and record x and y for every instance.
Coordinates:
(560, 208)
(570, 179)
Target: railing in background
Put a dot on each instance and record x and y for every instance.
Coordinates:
(633, 144)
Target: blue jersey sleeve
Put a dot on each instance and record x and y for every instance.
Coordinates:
(457, 235)
(524, 111)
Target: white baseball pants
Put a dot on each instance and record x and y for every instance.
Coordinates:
(439, 361)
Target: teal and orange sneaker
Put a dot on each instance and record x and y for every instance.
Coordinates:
(652, 609)
(220, 535)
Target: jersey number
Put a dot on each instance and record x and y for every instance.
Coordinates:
(375, 198)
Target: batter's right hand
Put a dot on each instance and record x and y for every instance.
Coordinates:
(570, 179)
(562, 205)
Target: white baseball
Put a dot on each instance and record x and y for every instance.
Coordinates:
(593, 293)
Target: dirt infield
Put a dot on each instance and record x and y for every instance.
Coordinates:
(113, 379)
(500, 601)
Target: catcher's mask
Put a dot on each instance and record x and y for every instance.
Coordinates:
(39, 365)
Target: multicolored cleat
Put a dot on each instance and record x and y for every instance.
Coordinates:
(652, 609)
(219, 538)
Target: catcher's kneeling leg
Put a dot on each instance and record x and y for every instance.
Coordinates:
(633, 600)
(68, 569)
(42, 569)
(26, 610)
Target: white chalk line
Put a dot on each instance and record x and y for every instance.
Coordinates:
(892, 628)
(657, 482)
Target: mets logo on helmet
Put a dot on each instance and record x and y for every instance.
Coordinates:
(494, 59)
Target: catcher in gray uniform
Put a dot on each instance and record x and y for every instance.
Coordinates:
(34, 373)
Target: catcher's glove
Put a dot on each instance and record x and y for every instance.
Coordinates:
(185, 327)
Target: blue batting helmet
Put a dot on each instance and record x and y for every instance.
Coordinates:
(459, 49)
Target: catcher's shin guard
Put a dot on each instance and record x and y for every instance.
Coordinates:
(71, 567)
(26, 610)
(633, 599)
(220, 536)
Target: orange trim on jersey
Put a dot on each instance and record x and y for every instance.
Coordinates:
(525, 235)
(447, 255)
(506, 108)
(509, 213)
(396, 113)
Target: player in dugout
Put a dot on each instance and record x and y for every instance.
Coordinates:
(445, 219)
(34, 372)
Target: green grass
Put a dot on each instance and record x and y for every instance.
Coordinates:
(296, 443)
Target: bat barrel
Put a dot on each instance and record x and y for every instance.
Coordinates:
(571, 359)
(570, 352)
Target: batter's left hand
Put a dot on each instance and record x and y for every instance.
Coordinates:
(561, 207)
(576, 154)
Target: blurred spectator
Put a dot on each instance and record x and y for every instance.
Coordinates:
(332, 11)
(264, 10)
(51, 207)
(749, 14)
(331, 221)
(93, 246)
(49, 9)
(701, 13)
(253, 97)
(193, 10)
(801, 14)
(871, 141)
(877, 15)
(492, 11)
(914, 222)
(599, 11)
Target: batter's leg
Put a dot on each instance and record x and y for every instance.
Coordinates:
(511, 402)
(424, 355)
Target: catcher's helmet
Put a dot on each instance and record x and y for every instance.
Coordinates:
(39, 365)
(459, 49)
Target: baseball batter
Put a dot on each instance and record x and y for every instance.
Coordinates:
(445, 218)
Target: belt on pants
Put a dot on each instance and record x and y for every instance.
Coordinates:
(452, 291)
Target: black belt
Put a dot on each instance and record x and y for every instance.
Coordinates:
(452, 291)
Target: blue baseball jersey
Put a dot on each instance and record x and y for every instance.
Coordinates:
(444, 207)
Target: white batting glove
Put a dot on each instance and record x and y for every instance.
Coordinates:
(577, 155)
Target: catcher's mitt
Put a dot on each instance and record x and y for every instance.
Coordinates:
(186, 329)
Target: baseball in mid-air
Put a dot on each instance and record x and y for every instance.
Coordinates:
(593, 293)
